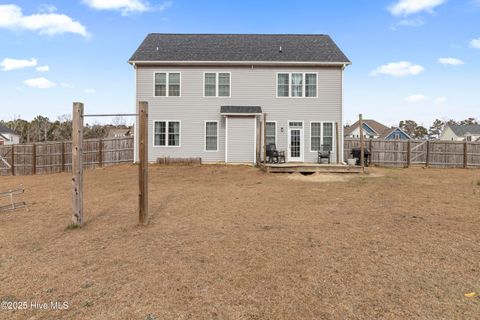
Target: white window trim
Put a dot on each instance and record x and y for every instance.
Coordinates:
(217, 84)
(167, 84)
(166, 134)
(276, 134)
(205, 135)
(321, 135)
(290, 85)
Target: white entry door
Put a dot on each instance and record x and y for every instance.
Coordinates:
(295, 144)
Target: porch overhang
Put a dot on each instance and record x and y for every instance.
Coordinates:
(240, 111)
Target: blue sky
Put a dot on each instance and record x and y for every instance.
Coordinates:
(395, 47)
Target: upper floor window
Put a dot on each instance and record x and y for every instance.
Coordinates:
(167, 84)
(297, 85)
(217, 84)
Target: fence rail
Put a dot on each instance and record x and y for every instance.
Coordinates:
(53, 157)
(400, 153)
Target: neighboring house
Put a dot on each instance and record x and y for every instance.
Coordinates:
(459, 132)
(8, 136)
(371, 129)
(375, 130)
(119, 132)
(207, 94)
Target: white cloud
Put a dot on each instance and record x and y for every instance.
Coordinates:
(475, 43)
(40, 83)
(407, 7)
(411, 22)
(12, 64)
(451, 61)
(89, 91)
(43, 68)
(126, 7)
(441, 100)
(416, 98)
(67, 85)
(398, 69)
(11, 17)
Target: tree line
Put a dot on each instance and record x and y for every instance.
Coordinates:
(42, 129)
(433, 132)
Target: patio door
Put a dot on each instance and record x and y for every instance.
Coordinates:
(295, 141)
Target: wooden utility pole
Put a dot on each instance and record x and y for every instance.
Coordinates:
(143, 162)
(77, 162)
(337, 144)
(362, 147)
(264, 140)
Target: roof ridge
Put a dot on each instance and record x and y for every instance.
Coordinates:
(240, 34)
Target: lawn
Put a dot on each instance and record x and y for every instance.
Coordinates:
(235, 243)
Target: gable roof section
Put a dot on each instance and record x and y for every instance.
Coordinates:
(293, 48)
(6, 130)
(461, 130)
(389, 132)
(374, 125)
(3, 137)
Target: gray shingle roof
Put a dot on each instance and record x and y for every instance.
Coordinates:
(4, 129)
(239, 47)
(461, 130)
(240, 109)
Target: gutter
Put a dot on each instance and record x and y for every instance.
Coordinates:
(248, 63)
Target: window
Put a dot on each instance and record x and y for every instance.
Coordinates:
(315, 136)
(327, 138)
(283, 84)
(162, 137)
(211, 136)
(396, 136)
(217, 84)
(321, 134)
(270, 133)
(164, 80)
(469, 138)
(297, 85)
(310, 85)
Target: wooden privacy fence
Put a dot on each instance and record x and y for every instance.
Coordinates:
(437, 153)
(53, 157)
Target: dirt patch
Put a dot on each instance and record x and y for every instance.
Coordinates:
(235, 243)
(328, 177)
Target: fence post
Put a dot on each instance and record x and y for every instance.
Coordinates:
(34, 159)
(362, 147)
(100, 153)
(427, 161)
(12, 166)
(77, 162)
(409, 153)
(63, 156)
(465, 158)
(265, 140)
(143, 164)
(370, 147)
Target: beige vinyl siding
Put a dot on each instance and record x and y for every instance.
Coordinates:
(255, 86)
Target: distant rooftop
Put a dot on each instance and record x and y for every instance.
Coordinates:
(311, 48)
(462, 129)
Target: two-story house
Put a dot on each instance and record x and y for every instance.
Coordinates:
(207, 94)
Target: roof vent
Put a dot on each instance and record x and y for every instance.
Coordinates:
(157, 48)
(280, 49)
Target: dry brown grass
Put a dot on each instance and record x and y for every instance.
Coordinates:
(234, 243)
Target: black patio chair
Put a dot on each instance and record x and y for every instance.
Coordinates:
(324, 153)
(274, 155)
